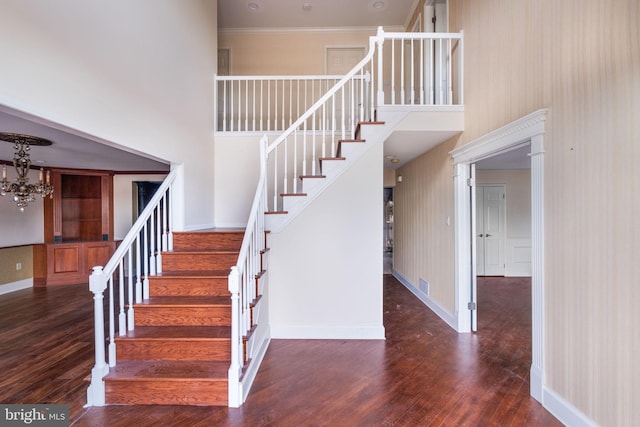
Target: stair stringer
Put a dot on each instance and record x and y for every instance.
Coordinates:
(372, 134)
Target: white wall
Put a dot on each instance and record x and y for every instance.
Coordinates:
(21, 228)
(518, 210)
(237, 169)
(326, 265)
(137, 74)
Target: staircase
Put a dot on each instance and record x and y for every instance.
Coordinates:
(347, 152)
(180, 350)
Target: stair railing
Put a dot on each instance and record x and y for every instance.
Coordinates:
(266, 104)
(416, 67)
(242, 279)
(126, 276)
(315, 133)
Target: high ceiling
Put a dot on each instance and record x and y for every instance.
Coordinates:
(72, 149)
(252, 14)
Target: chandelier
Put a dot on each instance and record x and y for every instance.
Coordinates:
(22, 193)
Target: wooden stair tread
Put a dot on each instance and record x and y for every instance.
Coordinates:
(141, 370)
(203, 251)
(213, 230)
(191, 274)
(179, 332)
(188, 300)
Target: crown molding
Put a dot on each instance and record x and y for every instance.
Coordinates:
(281, 30)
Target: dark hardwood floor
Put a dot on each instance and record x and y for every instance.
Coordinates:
(423, 374)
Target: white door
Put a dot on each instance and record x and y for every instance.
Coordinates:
(490, 230)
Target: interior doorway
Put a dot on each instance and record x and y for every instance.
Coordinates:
(526, 130)
(388, 231)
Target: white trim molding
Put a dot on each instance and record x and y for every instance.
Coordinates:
(16, 286)
(449, 319)
(328, 332)
(526, 130)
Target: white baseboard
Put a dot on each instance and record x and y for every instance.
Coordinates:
(564, 411)
(293, 332)
(449, 318)
(232, 225)
(16, 286)
(198, 227)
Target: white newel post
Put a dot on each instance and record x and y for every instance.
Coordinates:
(235, 393)
(95, 392)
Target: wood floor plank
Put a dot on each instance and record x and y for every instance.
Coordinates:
(423, 374)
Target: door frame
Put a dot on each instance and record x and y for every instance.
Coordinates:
(528, 129)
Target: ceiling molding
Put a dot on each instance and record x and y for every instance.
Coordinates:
(281, 30)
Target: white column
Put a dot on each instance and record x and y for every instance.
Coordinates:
(537, 263)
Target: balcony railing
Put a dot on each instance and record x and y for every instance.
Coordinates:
(418, 69)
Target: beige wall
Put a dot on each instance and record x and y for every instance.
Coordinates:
(581, 60)
(286, 53)
(423, 244)
(11, 256)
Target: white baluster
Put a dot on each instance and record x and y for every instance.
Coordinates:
(158, 242)
(130, 316)
(422, 72)
(122, 317)
(449, 83)
(138, 272)
(112, 325)
(380, 97)
(145, 257)
(224, 106)
(152, 247)
(246, 105)
(269, 105)
(295, 160)
(169, 206)
(165, 227)
(275, 179)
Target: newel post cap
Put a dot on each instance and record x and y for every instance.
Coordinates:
(97, 284)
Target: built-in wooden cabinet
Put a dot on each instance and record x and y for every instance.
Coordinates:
(78, 227)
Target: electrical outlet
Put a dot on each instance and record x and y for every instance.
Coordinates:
(18, 266)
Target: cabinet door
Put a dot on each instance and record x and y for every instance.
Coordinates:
(98, 254)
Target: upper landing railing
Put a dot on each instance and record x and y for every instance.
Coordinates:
(404, 69)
